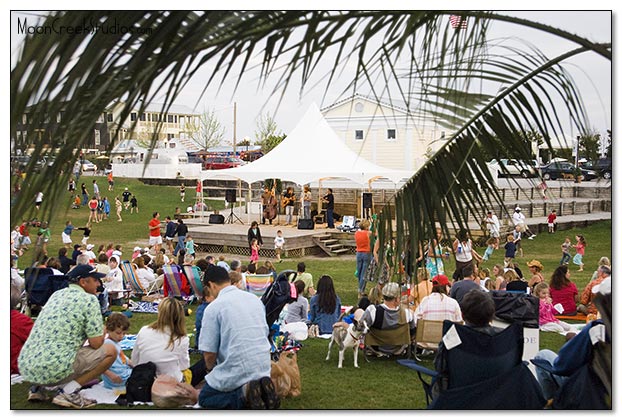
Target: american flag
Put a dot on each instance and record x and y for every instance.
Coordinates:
(458, 22)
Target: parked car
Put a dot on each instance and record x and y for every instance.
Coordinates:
(225, 162)
(556, 170)
(601, 166)
(88, 166)
(513, 167)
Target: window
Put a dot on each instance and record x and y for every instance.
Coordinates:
(143, 117)
(391, 135)
(169, 136)
(110, 117)
(170, 118)
(133, 116)
(97, 138)
(358, 135)
(175, 119)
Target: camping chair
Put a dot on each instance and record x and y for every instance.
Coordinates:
(131, 283)
(40, 284)
(428, 336)
(193, 274)
(257, 284)
(398, 337)
(478, 371)
(174, 281)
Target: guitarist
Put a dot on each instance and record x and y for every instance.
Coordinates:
(288, 201)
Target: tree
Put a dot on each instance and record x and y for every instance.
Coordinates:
(413, 57)
(205, 130)
(589, 145)
(266, 135)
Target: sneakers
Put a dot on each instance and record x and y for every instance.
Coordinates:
(532, 236)
(268, 394)
(37, 393)
(253, 397)
(73, 400)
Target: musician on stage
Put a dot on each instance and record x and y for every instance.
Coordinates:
(329, 200)
(288, 201)
(268, 202)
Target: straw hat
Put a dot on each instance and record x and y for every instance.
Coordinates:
(535, 263)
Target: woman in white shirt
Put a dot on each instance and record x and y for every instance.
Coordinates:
(464, 252)
(164, 342)
(145, 274)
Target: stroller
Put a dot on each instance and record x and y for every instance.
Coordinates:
(40, 283)
(276, 296)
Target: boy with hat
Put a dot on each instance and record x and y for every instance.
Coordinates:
(54, 354)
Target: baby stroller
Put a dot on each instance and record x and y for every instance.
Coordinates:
(276, 296)
(40, 283)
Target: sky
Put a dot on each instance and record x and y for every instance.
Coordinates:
(592, 74)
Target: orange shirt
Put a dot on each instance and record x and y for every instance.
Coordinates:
(154, 227)
(361, 237)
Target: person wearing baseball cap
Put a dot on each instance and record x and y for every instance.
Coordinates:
(438, 306)
(389, 322)
(54, 353)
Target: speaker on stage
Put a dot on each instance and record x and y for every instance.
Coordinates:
(230, 196)
(306, 224)
(216, 219)
(367, 201)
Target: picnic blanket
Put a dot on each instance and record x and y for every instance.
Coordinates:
(128, 342)
(144, 307)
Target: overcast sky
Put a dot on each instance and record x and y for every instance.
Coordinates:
(592, 74)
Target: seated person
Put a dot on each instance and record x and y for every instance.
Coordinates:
(390, 324)
(325, 306)
(298, 311)
(438, 306)
(20, 329)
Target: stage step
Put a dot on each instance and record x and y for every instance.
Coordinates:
(330, 245)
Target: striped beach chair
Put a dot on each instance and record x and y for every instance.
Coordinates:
(193, 274)
(257, 284)
(174, 281)
(130, 279)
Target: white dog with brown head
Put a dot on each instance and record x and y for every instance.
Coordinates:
(348, 337)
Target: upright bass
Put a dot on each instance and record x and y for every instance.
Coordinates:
(269, 211)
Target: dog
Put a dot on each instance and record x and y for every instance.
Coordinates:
(348, 338)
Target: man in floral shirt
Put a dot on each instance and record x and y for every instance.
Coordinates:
(55, 354)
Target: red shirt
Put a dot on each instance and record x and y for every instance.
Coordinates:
(361, 237)
(20, 330)
(154, 227)
(552, 217)
(566, 297)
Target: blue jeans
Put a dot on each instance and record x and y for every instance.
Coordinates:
(212, 398)
(565, 258)
(181, 244)
(362, 262)
(329, 218)
(306, 211)
(550, 383)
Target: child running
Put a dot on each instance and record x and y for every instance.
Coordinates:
(580, 248)
(492, 244)
(279, 241)
(551, 220)
(566, 251)
(510, 250)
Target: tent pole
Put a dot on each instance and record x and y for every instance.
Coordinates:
(248, 204)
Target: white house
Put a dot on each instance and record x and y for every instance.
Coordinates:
(382, 132)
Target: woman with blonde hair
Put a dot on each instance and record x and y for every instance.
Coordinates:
(164, 342)
(422, 289)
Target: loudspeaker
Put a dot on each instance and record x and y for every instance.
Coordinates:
(367, 201)
(216, 219)
(230, 196)
(306, 224)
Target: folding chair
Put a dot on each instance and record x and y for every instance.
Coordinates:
(130, 280)
(193, 274)
(37, 287)
(174, 281)
(397, 338)
(479, 371)
(428, 336)
(257, 284)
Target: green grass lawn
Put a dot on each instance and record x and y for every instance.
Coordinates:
(375, 385)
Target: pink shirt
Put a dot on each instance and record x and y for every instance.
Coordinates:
(580, 248)
(546, 313)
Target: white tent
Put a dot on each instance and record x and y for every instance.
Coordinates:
(311, 152)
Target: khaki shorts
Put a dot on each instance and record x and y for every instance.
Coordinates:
(155, 240)
(87, 359)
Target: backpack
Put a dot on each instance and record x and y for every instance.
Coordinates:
(138, 386)
(278, 294)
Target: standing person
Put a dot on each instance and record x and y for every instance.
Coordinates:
(87, 233)
(164, 341)
(329, 199)
(110, 182)
(133, 204)
(254, 251)
(306, 202)
(289, 200)
(181, 231)
(71, 187)
(580, 248)
(38, 200)
(254, 233)
(126, 194)
(106, 208)
(155, 239)
(363, 254)
(279, 242)
(564, 292)
(169, 233)
(182, 192)
(518, 236)
(265, 202)
(190, 246)
(492, 224)
(85, 194)
(55, 354)
(510, 250)
(238, 365)
(92, 204)
(45, 235)
(24, 236)
(464, 252)
(434, 255)
(117, 375)
(118, 207)
(325, 305)
(550, 220)
(566, 251)
(66, 234)
(96, 189)
(519, 220)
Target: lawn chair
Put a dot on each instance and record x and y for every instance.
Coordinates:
(479, 371)
(428, 336)
(39, 285)
(193, 274)
(257, 284)
(398, 337)
(130, 280)
(176, 283)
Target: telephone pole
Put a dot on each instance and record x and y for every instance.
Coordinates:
(235, 106)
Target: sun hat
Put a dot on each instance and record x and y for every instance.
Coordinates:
(89, 247)
(535, 263)
(440, 280)
(391, 290)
